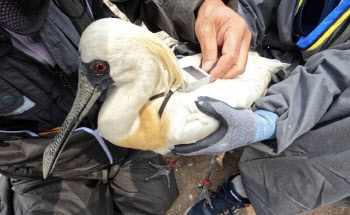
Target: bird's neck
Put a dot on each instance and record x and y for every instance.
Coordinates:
(119, 115)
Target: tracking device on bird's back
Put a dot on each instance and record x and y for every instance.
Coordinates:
(192, 73)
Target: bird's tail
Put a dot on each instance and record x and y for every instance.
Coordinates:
(271, 65)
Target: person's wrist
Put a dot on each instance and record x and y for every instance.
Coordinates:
(206, 3)
(266, 125)
(213, 1)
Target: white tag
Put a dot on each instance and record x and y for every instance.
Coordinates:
(192, 73)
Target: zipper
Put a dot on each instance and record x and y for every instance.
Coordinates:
(65, 81)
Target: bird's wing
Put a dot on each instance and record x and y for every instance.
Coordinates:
(187, 123)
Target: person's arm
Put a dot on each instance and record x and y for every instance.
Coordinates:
(259, 15)
(290, 108)
(304, 97)
(223, 35)
(237, 128)
(177, 18)
(224, 38)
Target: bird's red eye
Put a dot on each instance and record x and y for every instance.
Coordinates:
(99, 67)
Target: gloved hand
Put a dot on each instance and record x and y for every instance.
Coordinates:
(237, 128)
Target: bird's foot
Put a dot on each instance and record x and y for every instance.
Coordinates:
(204, 193)
(162, 170)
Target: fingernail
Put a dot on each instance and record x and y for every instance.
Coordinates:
(207, 66)
(212, 79)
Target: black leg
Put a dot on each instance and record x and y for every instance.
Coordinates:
(163, 170)
(205, 193)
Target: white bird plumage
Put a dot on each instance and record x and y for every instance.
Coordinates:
(137, 60)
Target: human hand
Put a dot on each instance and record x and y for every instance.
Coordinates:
(237, 128)
(219, 27)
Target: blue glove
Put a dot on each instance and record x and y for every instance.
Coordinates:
(237, 128)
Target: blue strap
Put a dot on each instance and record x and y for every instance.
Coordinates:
(21, 131)
(311, 13)
(100, 141)
(306, 41)
(88, 6)
(328, 8)
(297, 23)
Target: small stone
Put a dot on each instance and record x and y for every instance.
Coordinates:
(190, 164)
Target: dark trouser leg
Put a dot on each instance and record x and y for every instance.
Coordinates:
(90, 178)
(6, 196)
(56, 196)
(314, 171)
(135, 196)
(96, 193)
(78, 186)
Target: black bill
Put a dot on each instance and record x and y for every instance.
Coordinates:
(85, 99)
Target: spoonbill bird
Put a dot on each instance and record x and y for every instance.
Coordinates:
(134, 65)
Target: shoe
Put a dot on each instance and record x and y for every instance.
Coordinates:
(225, 202)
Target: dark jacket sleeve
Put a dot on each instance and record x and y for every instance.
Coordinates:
(258, 14)
(302, 99)
(177, 18)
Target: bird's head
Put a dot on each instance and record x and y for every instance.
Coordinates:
(113, 52)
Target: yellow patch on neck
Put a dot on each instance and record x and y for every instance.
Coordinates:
(151, 133)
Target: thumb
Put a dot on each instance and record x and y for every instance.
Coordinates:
(204, 104)
(213, 107)
(209, 48)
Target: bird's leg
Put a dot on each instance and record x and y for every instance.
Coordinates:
(205, 193)
(163, 170)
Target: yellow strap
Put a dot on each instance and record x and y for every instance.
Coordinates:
(330, 31)
(51, 131)
(299, 4)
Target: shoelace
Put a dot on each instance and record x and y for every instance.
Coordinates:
(222, 202)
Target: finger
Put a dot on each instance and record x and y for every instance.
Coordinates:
(241, 63)
(207, 99)
(230, 54)
(204, 105)
(211, 106)
(207, 40)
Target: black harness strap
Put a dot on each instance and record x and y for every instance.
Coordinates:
(156, 96)
(164, 103)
